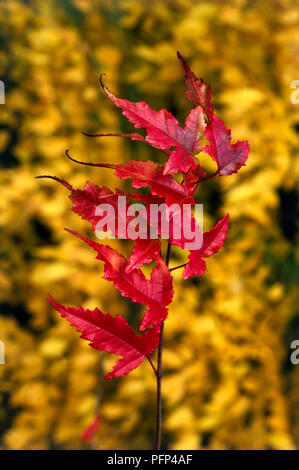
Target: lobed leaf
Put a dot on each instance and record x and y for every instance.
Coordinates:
(144, 252)
(111, 334)
(198, 91)
(213, 240)
(164, 131)
(151, 174)
(229, 157)
(155, 292)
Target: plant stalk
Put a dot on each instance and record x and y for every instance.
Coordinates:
(159, 389)
(159, 373)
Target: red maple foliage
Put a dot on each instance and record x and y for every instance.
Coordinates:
(111, 334)
(181, 145)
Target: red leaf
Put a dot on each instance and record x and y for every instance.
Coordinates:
(198, 91)
(143, 253)
(155, 292)
(182, 241)
(161, 288)
(150, 174)
(87, 200)
(111, 334)
(229, 157)
(164, 131)
(192, 179)
(85, 203)
(213, 240)
(147, 198)
(193, 131)
(91, 429)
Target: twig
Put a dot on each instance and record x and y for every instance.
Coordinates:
(55, 178)
(151, 363)
(159, 373)
(102, 165)
(178, 267)
(211, 176)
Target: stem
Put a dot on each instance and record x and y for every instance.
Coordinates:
(159, 389)
(159, 373)
(151, 363)
(208, 177)
(101, 165)
(178, 267)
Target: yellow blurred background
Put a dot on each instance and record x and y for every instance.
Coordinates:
(228, 380)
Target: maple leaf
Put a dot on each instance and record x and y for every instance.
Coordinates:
(161, 288)
(155, 292)
(164, 131)
(151, 174)
(144, 252)
(192, 179)
(229, 157)
(165, 224)
(198, 91)
(178, 237)
(85, 204)
(111, 334)
(180, 160)
(147, 198)
(213, 240)
(86, 201)
(91, 429)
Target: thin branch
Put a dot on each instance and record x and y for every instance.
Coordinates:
(159, 372)
(159, 391)
(101, 80)
(132, 136)
(55, 178)
(167, 259)
(178, 267)
(102, 165)
(151, 363)
(211, 176)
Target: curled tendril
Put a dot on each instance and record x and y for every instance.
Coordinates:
(101, 80)
(59, 180)
(102, 165)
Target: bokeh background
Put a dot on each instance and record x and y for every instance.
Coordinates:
(229, 382)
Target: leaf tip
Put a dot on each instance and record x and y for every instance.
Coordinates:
(103, 74)
(55, 178)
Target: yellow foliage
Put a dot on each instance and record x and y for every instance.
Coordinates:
(228, 382)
